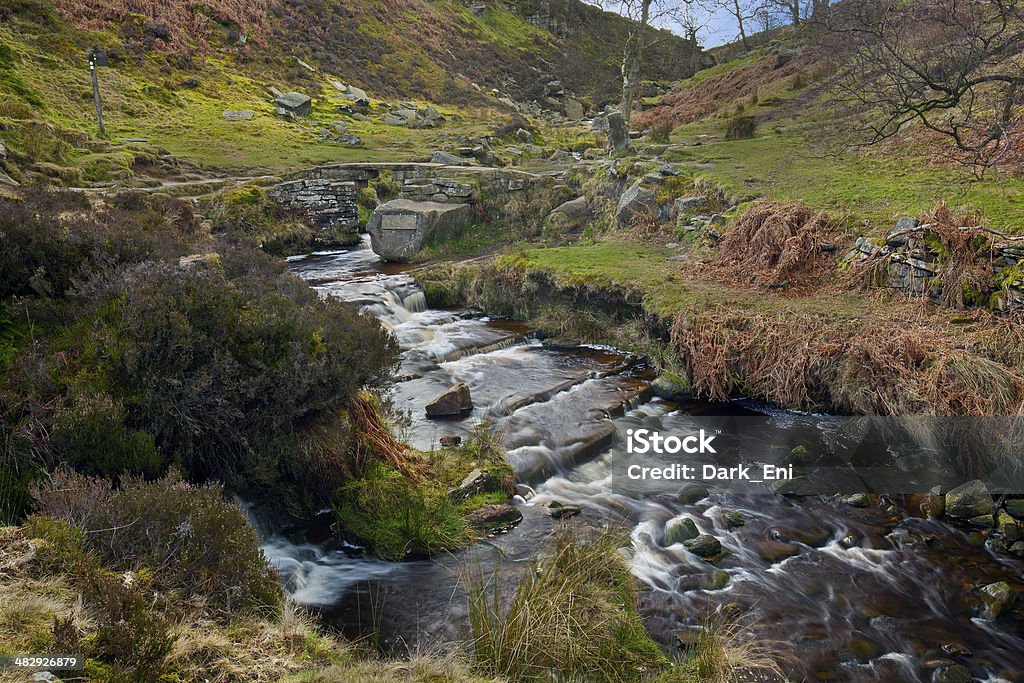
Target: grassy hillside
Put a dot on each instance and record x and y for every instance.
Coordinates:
(176, 67)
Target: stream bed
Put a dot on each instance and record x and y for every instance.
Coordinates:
(851, 593)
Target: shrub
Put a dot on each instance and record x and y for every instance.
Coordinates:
(92, 437)
(129, 633)
(740, 128)
(573, 612)
(247, 215)
(188, 536)
(62, 546)
(397, 516)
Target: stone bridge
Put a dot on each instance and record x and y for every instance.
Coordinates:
(433, 199)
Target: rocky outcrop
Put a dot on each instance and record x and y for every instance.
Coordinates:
(441, 190)
(400, 228)
(293, 104)
(635, 203)
(913, 259)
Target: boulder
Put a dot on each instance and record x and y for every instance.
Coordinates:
(450, 441)
(573, 109)
(524, 136)
(969, 500)
(560, 510)
(672, 387)
(357, 95)
(1015, 506)
(733, 518)
(689, 204)
(574, 208)
(858, 500)
(495, 518)
(294, 103)
(635, 201)
(451, 403)
(703, 545)
(239, 114)
(394, 120)
(441, 157)
(1008, 526)
(692, 493)
(679, 530)
(400, 228)
(958, 673)
(930, 505)
(618, 135)
(997, 597)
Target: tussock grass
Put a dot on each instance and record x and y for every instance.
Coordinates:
(572, 615)
(723, 652)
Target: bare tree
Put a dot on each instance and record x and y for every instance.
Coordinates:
(793, 10)
(645, 16)
(954, 66)
(741, 11)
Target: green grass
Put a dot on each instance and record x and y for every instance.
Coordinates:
(780, 164)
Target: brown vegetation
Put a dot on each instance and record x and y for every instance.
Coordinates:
(776, 244)
(717, 93)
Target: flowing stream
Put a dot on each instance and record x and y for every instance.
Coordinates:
(850, 593)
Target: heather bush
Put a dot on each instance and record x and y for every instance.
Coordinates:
(189, 538)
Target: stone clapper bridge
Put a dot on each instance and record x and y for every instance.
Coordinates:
(435, 200)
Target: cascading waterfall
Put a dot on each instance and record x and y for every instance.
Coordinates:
(859, 594)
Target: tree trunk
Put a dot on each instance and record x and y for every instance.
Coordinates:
(632, 58)
(794, 8)
(738, 12)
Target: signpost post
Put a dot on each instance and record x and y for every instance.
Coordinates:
(97, 58)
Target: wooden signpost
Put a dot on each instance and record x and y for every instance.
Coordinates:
(97, 58)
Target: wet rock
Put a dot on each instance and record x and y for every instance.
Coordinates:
(1015, 506)
(997, 597)
(679, 530)
(956, 649)
(930, 505)
(1018, 548)
(958, 673)
(733, 518)
(526, 492)
(450, 441)
(703, 546)
(672, 387)
(452, 402)
(294, 103)
(775, 550)
(800, 455)
(560, 343)
(858, 500)
(982, 521)
(560, 510)
(574, 208)
(495, 518)
(969, 500)
(718, 580)
(691, 493)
